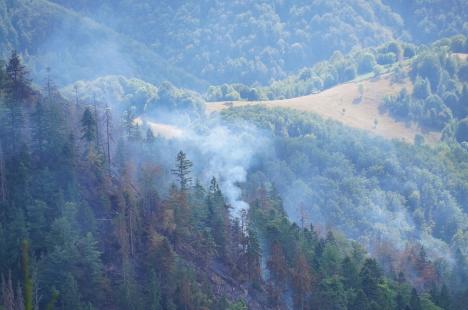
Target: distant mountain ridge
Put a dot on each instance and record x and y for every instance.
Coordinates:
(196, 43)
(259, 41)
(77, 47)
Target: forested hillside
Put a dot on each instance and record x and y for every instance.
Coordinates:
(257, 41)
(93, 222)
(49, 35)
(427, 21)
(433, 100)
(440, 93)
(216, 41)
(122, 188)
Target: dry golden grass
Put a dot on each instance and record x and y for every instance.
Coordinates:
(160, 129)
(343, 103)
(461, 56)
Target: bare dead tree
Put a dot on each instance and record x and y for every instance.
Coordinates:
(108, 119)
(3, 193)
(96, 117)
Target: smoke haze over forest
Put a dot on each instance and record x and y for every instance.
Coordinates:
(218, 154)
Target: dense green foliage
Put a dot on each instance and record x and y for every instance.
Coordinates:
(49, 35)
(83, 229)
(440, 91)
(257, 41)
(216, 41)
(252, 208)
(246, 41)
(430, 20)
(124, 93)
(324, 273)
(378, 192)
(358, 64)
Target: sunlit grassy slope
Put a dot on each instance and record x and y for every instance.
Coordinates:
(345, 104)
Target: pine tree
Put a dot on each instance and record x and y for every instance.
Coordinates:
(88, 126)
(40, 130)
(150, 138)
(3, 185)
(277, 266)
(415, 302)
(70, 294)
(28, 289)
(218, 219)
(214, 187)
(253, 258)
(400, 303)
(360, 302)
(18, 83)
(20, 301)
(18, 89)
(302, 280)
(444, 300)
(8, 293)
(154, 301)
(182, 171)
(370, 278)
(108, 119)
(132, 129)
(96, 120)
(350, 272)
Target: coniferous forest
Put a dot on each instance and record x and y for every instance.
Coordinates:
(148, 161)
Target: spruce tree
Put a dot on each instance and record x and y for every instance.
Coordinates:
(415, 302)
(88, 126)
(360, 302)
(370, 278)
(277, 266)
(253, 258)
(182, 171)
(444, 300)
(302, 280)
(27, 281)
(18, 84)
(150, 138)
(17, 89)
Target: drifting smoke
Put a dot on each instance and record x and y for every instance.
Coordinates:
(227, 153)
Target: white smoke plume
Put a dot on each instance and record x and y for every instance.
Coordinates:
(227, 153)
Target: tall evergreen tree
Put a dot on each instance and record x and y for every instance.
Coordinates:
(360, 302)
(27, 281)
(370, 278)
(277, 266)
(253, 258)
(182, 171)
(18, 84)
(18, 89)
(415, 302)
(150, 138)
(302, 280)
(88, 126)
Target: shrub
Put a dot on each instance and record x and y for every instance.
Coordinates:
(366, 63)
(421, 88)
(462, 131)
(386, 59)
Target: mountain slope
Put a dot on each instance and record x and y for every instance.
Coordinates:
(50, 35)
(430, 20)
(344, 104)
(248, 41)
(257, 41)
